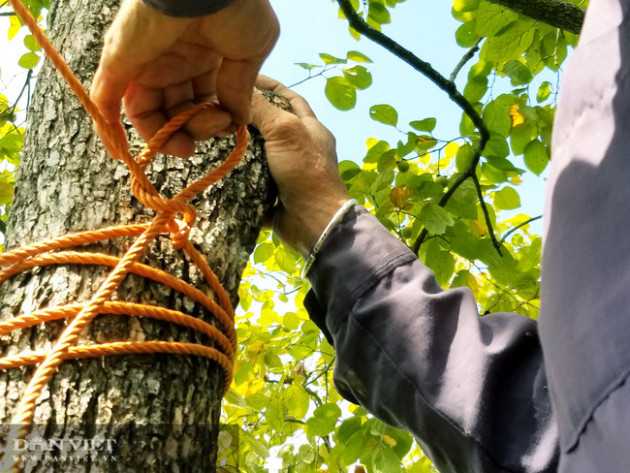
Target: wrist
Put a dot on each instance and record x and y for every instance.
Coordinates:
(310, 222)
(334, 221)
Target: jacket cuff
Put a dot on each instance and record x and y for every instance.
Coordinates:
(356, 255)
(187, 8)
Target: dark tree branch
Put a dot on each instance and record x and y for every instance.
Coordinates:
(442, 83)
(552, 12)
(486, 215)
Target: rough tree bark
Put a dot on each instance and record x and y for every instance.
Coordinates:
(67, 183)
(563, 15)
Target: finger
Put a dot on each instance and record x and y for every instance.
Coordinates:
(143, 108)
(235, 83)
(209, 122)
(177, 96)
(205, 85)
(107, 91)
(299, 106)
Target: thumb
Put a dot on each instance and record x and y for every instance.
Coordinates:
(107, 91)
(267, 117)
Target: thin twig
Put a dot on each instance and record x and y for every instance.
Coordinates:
(520, 225)
(442, 83)
(465, 58)
(25, 86)
(320, 73)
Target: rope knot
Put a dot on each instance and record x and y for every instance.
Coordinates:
(180, 227)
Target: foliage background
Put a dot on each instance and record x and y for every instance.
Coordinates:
(454, 197)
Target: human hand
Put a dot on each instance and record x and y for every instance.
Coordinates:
(159, 65)
(303, 163)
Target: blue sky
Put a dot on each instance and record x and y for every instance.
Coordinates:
(426, 27)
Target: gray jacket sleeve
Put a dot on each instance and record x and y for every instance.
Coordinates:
(188, 8)
(471, 389)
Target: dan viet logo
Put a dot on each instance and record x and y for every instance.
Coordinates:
(64, 450)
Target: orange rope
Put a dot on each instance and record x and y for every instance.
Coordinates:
(166, 221)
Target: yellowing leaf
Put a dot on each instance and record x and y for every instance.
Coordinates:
(256, 347)
(517, 118)
(478, 228)
(398, 196)
(389, 440)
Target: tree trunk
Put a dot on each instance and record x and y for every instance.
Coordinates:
(159, 413)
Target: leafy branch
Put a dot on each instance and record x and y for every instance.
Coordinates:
(563, 15)
(447, 86)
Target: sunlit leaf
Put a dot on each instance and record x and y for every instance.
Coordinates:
(507, 199)
(385, 114)
(341, 93)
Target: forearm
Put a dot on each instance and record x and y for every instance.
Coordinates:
(471, 389)
(188, 8)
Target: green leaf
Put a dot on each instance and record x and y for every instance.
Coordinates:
(463, 203)
(554, 49)
(358, 76)
(348, 170)
(464, 157)
(496, 147)
(379, 13)
(329, 59)
(354, 446)
(441, 262)
(356, 56)
(323, 421)
(297, 400)
(6, 193)
(518, 72)
(511, 43)
(263, 252)
(476, 88)
(307, 66)
(492, 18)
(28, 60)
(536, 156)
(341, 93)
(435, 219)
(497, 118)
(492, 174)
(507, 199)
(375, 152)
(544, 91)
(465, 35)
(31, 43)
(428, 124)
(348, 428)
(521, 135)
(285, 259)
(385, 114)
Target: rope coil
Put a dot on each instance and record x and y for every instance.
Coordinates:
(166, 221)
